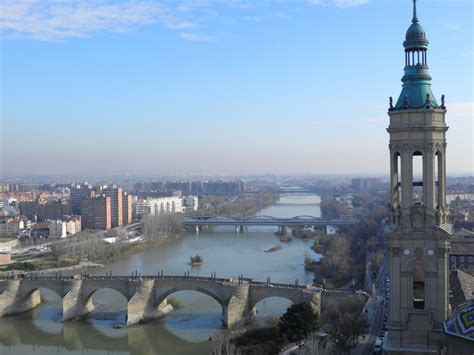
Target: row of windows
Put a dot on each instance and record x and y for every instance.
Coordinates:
(469, 268)
(470, 259)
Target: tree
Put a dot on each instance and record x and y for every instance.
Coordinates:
(345, 323)
(314, 345)
(298, 321)
(260, 341)
(224, 345)
(337, 261)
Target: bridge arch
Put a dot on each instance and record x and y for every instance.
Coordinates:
(305, 217)
(165, 294)
(57, 288)
(121, 287)
(89, 296)
(222, 218)
(260, 218)
(262, 297)
(32, 296)
(279, 305)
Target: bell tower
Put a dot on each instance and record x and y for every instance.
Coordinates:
(420, 230)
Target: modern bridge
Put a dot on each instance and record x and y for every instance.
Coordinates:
(282, 223)
(146, 295)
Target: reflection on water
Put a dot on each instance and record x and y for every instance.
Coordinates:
(25, 334)
(187, 329)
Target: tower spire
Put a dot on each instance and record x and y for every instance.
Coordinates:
(415, 19)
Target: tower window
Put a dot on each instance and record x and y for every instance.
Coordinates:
(418, 287)
(418, 177)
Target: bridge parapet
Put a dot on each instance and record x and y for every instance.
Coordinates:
(303, 220)
(146, 295)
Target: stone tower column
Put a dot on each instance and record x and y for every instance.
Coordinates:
(420, 230)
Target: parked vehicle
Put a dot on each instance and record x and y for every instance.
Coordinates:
(378, 346)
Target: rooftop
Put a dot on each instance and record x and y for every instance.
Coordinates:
(461, 322)
(462, 242)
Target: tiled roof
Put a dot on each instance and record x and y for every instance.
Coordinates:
(461, 285)
(462, 243)
(461, 322)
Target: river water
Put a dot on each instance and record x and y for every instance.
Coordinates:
(187, 329)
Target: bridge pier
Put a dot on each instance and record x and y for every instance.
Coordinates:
(282, 229)
(14, 301)
(143, 306)
(237, 310)
(75, 306)
(240, 229)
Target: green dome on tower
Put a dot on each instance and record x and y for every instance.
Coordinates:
(416, 35)
(416, 92)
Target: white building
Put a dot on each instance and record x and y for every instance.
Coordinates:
(191, 202)
(73, 225)
(57, 229)
(157, 206)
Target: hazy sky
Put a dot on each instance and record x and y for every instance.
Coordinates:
(106, 87)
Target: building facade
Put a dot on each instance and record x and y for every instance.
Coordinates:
(157, 206)
(96, 213)
(73, 224)
(191, 203)
(420, 229)
(126, 208)
(116, 195)
(11, 228)
(57, 229)
(77, 194)
(461, 255)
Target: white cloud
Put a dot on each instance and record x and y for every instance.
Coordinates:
(58, 20)
(340, 3)
(196, 37)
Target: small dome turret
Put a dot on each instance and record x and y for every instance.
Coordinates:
(416, 35)
(416, 92)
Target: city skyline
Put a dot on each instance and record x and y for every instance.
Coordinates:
(220, 87)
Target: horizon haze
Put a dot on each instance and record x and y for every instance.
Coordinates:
(220, 87)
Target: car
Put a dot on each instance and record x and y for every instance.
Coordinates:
(378, 346)
(362, 293)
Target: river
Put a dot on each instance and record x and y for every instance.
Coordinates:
(187, 329)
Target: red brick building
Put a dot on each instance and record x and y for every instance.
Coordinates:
(116, 199)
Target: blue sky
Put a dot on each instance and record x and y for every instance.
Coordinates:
(99, 87)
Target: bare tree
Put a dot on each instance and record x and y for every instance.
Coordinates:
(223, 345)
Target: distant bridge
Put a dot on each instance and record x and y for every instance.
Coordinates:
(146, 295)
(282, 223)
(295, 190)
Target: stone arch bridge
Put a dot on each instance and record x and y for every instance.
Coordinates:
(146, 295)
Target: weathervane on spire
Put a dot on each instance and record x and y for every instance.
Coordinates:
(415, 19)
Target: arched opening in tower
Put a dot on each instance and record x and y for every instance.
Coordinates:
(418, 287)
(418, 177)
